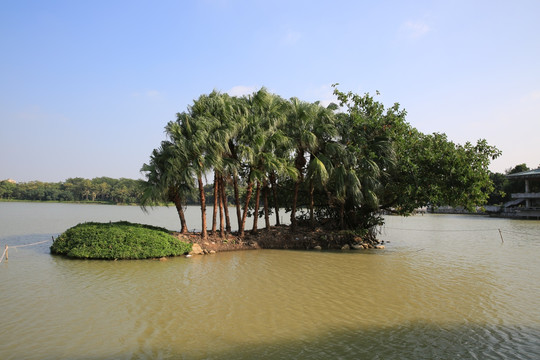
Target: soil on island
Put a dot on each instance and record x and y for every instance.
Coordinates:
(278, 237)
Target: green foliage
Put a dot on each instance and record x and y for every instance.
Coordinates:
(344, 164)
(435, 171)
(118, 240)
(102, 190)
(498, 196)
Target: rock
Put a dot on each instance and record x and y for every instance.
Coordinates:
(317, 248)
(345, 247)
(212, 252)
(163, 259)
(196, 250)
(379, 246)
(357, 247)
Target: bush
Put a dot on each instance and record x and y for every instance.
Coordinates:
(118, 240)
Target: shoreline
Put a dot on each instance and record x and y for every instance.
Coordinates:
(279, 238)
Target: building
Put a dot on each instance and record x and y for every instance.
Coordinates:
(525, 205)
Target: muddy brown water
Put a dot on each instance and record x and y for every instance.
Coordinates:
(445, 287)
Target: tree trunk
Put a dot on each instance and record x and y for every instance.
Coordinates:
(204, 233)
(256, 212)
(265, 199)
(342, 215)
(221, 218)
(300, 162)
(225, 205)
(274, 192)
(237, 201)
(244, 214)
(311, 204)
(293, 209)
(180, 210)
(214, 215)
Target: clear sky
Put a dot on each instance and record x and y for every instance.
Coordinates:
(86, 87)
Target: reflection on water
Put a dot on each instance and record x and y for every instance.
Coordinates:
(435, 292)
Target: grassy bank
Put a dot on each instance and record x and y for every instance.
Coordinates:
(118, 240)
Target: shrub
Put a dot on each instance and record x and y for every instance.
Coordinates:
(118, 240)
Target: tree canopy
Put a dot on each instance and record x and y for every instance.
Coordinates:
(344, 164)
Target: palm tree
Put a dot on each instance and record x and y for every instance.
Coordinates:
(167, 179)
(191, 133)
(319, 165)
(256, 145)
(301, 117)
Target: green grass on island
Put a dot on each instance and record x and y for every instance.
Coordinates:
(118, 240)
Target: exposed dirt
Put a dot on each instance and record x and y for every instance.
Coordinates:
(278, 237)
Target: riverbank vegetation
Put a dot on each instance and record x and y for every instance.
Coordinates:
(102, 190)
(344, 164)
(119, 240)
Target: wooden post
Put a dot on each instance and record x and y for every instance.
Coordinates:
(500, 233)
(6, 252)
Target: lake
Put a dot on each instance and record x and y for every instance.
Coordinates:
(445, 287)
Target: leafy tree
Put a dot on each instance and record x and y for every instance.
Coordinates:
(7, 189)
(498, 195)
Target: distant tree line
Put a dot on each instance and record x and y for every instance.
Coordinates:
(97, 190)
(101, 189)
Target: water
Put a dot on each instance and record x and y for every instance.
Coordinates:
(445, 287)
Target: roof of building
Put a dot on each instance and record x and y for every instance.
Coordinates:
(526, 174)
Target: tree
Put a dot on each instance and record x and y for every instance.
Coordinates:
(301, 116)
(257, 146)
(498, 196)
(168, 178)
(193, 135)
(347, 163)
(6, 189)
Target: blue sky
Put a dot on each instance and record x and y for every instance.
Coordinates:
(86, 88)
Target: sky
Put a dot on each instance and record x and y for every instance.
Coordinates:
(87, 87)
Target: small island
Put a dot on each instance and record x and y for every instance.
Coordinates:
(127, 241)
(118, 240)
(335, 169)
